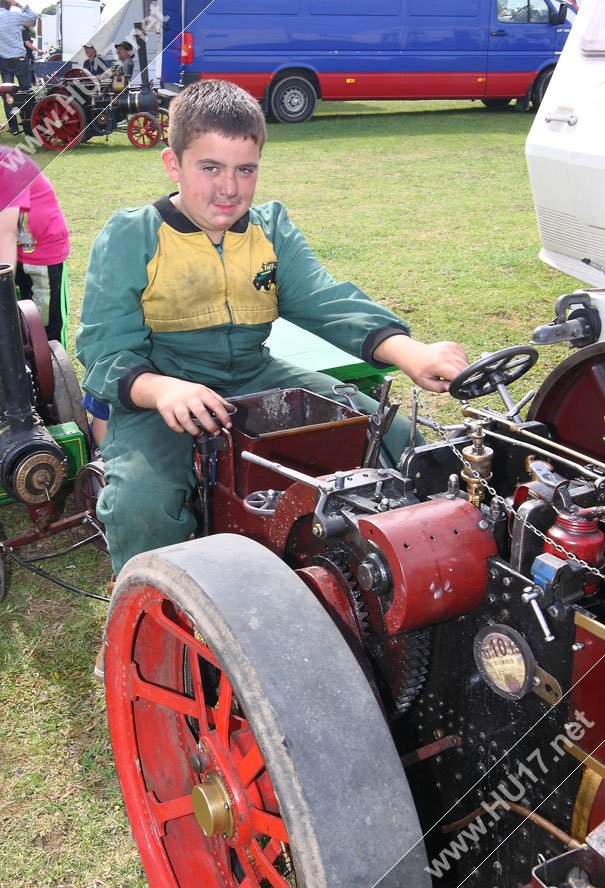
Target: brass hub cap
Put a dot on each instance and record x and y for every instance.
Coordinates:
(212, 807)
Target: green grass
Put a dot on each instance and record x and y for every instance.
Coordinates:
(428, 207)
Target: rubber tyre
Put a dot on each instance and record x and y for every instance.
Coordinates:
(540, 87)
(67, 394)
(316, 735)
(292, 100)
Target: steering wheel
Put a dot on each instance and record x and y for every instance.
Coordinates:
(500, 368)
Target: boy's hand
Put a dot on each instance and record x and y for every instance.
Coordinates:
(432, 366)
(178, 401)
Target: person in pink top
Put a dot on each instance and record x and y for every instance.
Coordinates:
(34, 239)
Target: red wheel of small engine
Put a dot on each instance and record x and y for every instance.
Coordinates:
(144, 130)
(58, 124)
(220, 700)
(164, 119)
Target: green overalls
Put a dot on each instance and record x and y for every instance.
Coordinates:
(160, 298)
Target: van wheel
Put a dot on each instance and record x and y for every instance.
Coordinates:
(540, 87)
(292, 100)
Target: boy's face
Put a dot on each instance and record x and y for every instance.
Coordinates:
(217, 179)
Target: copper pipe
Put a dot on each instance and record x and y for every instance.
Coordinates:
(547, 825)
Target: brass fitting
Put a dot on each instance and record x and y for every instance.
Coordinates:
(479, 457)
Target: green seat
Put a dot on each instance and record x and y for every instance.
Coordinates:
(293, 344)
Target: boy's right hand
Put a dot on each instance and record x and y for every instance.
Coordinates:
(179, 401)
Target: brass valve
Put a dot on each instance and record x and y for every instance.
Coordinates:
(479, 458)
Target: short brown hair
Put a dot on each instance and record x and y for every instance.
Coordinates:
(214, 106)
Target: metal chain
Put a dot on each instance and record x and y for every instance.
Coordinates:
(569, 556)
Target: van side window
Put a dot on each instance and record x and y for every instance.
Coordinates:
(537, 11)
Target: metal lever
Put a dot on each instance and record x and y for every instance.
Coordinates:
(347, 390)
(531, 598)
(380, 423)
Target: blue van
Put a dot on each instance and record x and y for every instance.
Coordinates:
(290, 53)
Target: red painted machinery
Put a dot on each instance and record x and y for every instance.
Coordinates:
(74, 106)
(359, 675)
(367, 676)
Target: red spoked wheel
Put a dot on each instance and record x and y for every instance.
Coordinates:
(58, 122)
(164, 119)
(250, 749)
(144, 130)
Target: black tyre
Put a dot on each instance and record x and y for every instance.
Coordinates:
(292, 100)
(67, 393)
(249, 745)
(540, 87)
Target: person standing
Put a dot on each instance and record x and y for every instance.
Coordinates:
(34, 239)
(13, 61)
(30, 51)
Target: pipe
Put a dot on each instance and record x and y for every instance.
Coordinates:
(524, 812)
(18, 406)
(142, 53)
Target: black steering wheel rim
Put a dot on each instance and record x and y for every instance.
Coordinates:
(500, 368)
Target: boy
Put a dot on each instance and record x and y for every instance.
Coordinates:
(173, 324)
(93, 63)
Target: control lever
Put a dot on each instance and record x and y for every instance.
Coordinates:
(411, 445)
(532, 596)
(380, 422)
(207, 446)
(347, 390)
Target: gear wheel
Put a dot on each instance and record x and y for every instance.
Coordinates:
(336, 561)
(401, 663)
(408, 661)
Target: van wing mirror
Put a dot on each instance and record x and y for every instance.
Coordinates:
(557, 18)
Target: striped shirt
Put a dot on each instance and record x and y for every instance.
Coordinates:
(11, 22)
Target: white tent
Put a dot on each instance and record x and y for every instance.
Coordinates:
(117, 22)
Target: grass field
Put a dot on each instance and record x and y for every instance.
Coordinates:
(428, 207)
